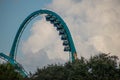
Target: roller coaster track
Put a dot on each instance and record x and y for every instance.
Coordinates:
(54, 19)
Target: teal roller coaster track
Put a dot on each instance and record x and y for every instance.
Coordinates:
(54, 19)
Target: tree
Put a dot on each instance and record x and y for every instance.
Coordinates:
(98, 67)
(104, 67)
(51, 72)
(7, 72)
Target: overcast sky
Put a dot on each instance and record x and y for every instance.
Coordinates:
(94, 25)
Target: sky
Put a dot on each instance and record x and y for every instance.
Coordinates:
(94, 26)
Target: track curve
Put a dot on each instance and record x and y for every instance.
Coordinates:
(13, 51)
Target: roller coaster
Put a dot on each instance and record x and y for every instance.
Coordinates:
(60, 26)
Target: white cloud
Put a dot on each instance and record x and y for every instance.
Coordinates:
(44, 36)
(94, 25)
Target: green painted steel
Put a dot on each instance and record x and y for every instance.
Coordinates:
(13, 51)
(14, 63)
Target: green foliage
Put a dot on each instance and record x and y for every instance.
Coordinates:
(7, 72)
(104, 67)
(52, 72)
(99, 67)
